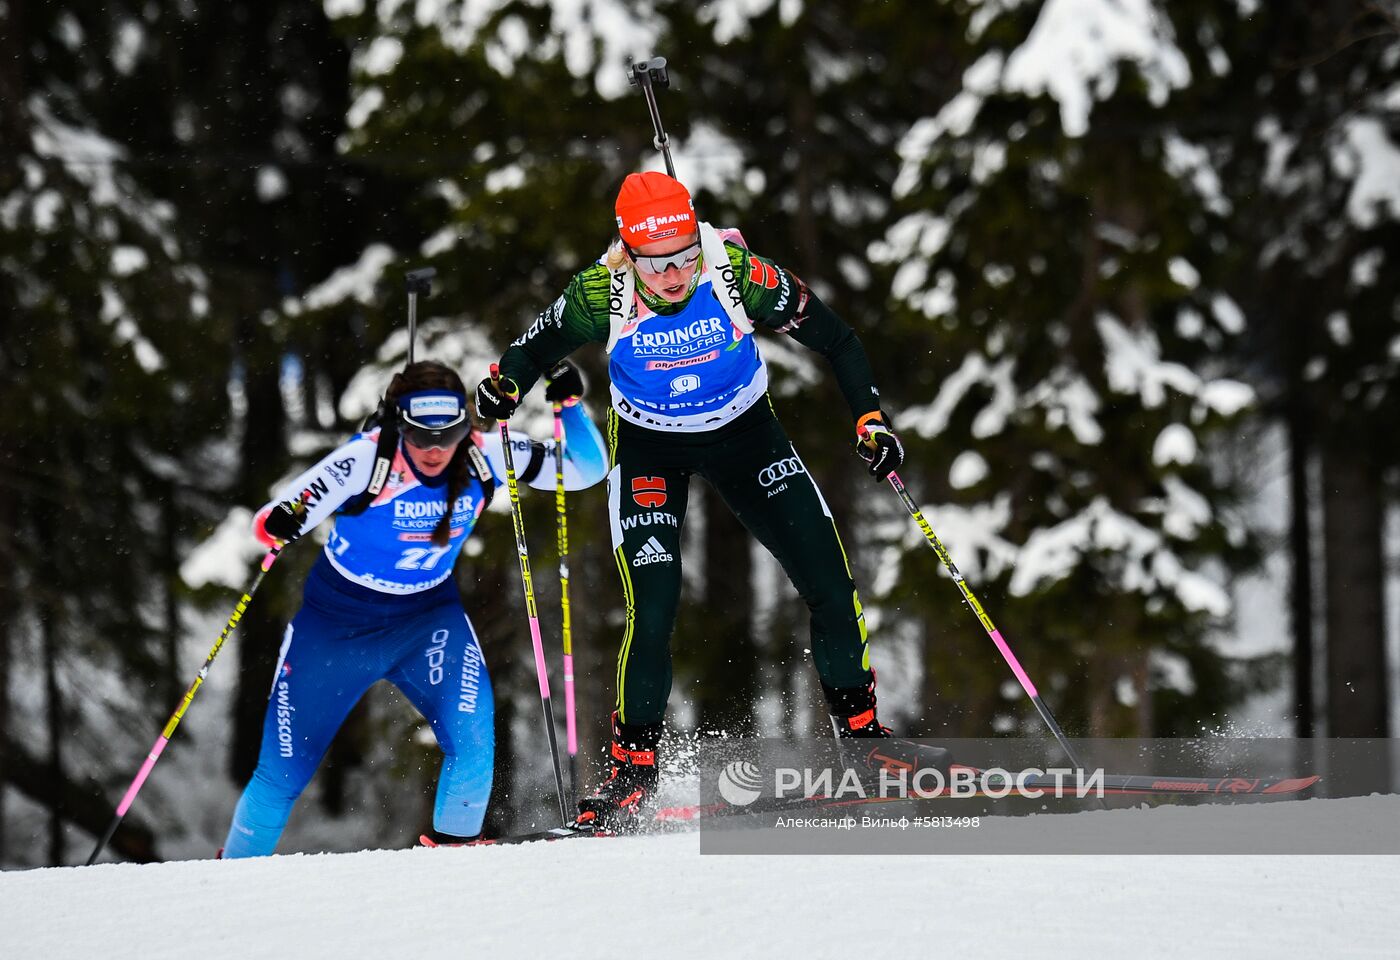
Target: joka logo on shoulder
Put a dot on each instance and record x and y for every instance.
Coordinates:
(653, 551)
(649, 491)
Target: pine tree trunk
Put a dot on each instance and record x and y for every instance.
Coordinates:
(1300, 550)
(261, 455)
(8, 608)
(83, 804)
(5, 631)
(1357, 705)
(53, 714)
(1143, 715)
(249, 247)
(14, 130)
(14, 125)
(173, 682)
(1103, 702)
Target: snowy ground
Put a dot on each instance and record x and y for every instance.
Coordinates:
(658, 897)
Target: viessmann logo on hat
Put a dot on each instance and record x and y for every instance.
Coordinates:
(653, 206)
(652, 224)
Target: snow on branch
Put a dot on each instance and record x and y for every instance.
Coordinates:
(1074, 51)
(1133, 364)
(227, 557)
(356, 282)
(1138, 559)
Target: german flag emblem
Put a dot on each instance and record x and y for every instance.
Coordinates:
(649, 491)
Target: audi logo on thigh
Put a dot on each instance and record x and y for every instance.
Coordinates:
(780, 470)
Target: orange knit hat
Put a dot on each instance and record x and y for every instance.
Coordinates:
(652, 206)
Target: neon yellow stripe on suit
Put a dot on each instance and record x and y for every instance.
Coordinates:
(627, 633)
(612, 438)
(855, 602)
(864, 631)
(855, 594)
(844, 559)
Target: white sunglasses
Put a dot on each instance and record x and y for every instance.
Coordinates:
(680, 259)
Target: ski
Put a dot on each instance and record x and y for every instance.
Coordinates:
(1231, 785)
(1113, 785)
(538, 836)
(680, 816)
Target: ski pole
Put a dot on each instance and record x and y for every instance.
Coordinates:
(541, 672)
(650, 74)
(571, 736)
(130, 796)
(418, 281)
(986, 621)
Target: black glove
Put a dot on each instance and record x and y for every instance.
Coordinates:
(497, 399)
(565, 384)
(879, 447)
(284, 522)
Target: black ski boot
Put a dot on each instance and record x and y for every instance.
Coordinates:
(616, 804)
(853, 715)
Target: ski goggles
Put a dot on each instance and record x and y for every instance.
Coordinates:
(429, 419)
(681, 259)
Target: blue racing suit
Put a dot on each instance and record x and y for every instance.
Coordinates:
(380, 603)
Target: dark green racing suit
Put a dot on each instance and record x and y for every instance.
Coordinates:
(745, 455)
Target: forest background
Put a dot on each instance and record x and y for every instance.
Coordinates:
(1125, 270)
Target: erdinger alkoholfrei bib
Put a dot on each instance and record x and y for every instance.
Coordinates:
(389, 546)
(687, 372)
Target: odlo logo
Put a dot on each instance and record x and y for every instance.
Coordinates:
(740, 783)
(435, 654)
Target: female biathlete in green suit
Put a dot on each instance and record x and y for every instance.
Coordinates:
(676, 302)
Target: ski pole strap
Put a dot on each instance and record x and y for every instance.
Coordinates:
(386, 417)
(621, 302)
(482, 468)
(862, 429)
(622, 285)
(723, 277)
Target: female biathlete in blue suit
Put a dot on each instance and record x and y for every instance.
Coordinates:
(381, 603)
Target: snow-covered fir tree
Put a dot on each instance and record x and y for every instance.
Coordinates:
(109, 435)
(1318, 174)
(1058, 265)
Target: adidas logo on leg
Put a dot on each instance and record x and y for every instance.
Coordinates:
(652, 552)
